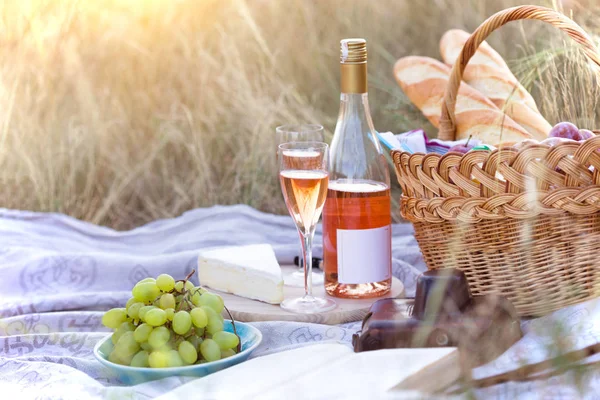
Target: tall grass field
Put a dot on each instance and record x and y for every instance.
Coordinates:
(120, 112)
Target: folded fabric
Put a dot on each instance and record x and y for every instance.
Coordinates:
(417, 141)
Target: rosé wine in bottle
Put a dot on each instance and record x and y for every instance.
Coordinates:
(357, 215)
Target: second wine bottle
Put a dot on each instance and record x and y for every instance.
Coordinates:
(356, 216)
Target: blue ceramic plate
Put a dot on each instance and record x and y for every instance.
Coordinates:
(250, 338)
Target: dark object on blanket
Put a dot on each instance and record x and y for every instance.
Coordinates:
(443, 314)
(316, 262)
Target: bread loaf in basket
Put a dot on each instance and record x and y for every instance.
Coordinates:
(521, 221)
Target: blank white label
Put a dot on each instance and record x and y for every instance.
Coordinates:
(364, 255)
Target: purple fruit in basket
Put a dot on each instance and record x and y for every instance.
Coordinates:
(586, 134)
(462, 147)
(565, 130)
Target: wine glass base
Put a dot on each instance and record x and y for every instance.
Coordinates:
(296, 279)
(308, 305)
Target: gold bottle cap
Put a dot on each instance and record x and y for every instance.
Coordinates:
(353, 51)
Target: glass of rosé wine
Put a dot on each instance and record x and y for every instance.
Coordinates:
(303, 175)
(300, 133)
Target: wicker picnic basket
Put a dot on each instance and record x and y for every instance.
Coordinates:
(521, 222)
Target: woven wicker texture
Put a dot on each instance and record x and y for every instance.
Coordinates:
(522, 222)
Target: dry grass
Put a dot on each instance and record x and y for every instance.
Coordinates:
(124, 111)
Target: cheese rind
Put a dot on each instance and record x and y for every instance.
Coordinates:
(250, 271)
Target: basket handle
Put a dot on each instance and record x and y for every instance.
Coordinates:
(447, 121)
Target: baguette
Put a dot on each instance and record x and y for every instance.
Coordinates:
(424, 81)
(490, 126)
(488, 73)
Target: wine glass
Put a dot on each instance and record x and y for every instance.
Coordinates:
(304, 178)
(300, 133)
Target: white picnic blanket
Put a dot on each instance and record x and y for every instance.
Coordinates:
(57, 274)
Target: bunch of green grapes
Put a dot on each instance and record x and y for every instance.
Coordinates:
(169, 323)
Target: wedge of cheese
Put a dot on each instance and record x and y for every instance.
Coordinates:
(249, 271)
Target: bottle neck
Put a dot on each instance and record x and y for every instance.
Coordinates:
(356, 106)
(354, 98)
(356, 152)
(354, 78)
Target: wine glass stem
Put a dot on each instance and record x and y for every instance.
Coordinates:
(307, 239)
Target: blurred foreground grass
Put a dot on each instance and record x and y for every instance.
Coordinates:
(124, 111)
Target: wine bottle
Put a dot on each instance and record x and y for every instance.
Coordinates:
(356, 216)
